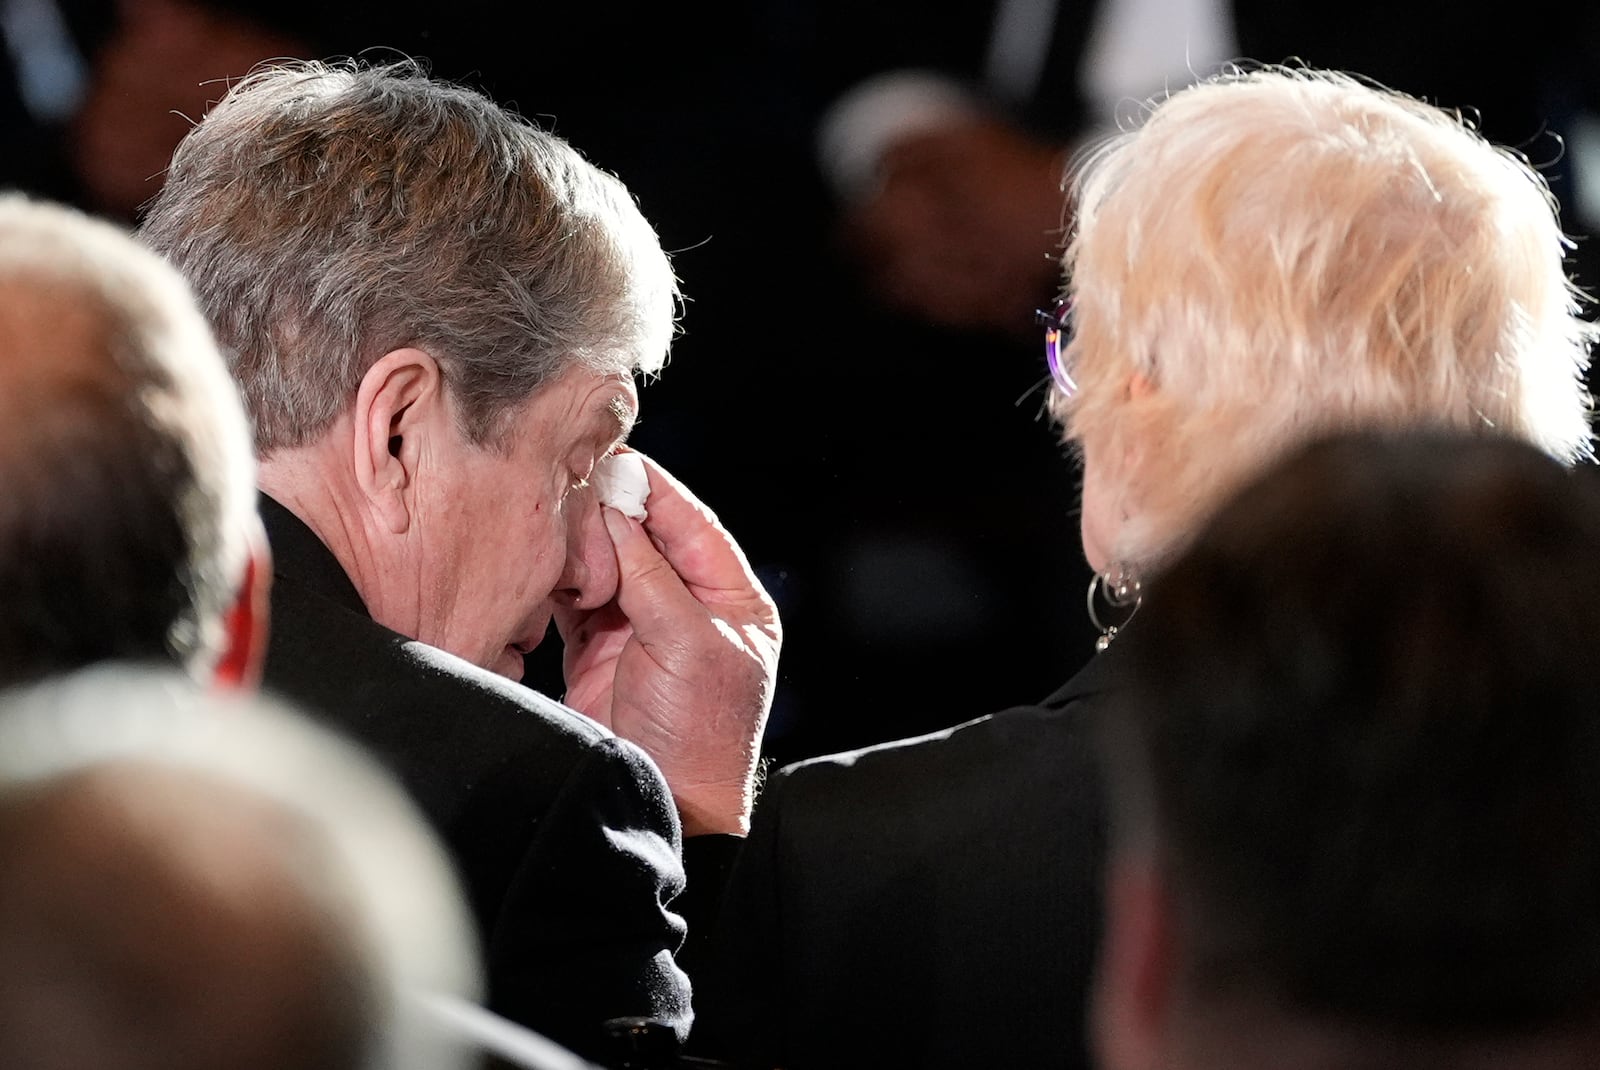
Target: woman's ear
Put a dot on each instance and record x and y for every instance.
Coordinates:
(1134, 440)
(399, 403)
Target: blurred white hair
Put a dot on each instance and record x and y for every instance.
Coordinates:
(405, 911)
(159, 350)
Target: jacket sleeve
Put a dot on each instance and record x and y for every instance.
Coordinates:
(708, 860)
(586, 933)
(739, 1006)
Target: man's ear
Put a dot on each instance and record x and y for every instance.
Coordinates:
(399, 400)
(1135, 978)
(245, 623)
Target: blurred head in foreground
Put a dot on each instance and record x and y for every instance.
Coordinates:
(199, 880)
(1356, 817)
(128, 525)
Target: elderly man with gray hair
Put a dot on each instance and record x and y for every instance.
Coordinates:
(435, 312)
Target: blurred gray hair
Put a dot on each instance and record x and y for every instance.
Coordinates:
(130, 480)
(397, 900)
(329, 213)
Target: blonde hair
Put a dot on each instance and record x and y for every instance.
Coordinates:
(1279, 253)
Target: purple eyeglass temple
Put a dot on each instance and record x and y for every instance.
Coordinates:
(1056, 321)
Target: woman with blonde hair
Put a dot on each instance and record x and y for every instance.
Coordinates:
(1279, 253)
(1269, 256)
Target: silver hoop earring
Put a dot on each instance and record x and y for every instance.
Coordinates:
(1119, 589)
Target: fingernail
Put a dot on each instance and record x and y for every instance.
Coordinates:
(616, 523)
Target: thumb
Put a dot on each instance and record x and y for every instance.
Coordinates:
(649, 592)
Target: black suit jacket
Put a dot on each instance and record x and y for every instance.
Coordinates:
(565, 837)
(931, 903)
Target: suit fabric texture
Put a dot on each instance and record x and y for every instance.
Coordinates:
(933, 902)
(565, 837)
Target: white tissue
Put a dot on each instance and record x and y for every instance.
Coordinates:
(621, 482)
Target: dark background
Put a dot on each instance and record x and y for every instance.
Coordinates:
(893, 483)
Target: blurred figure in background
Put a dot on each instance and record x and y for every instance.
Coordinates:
(128, 529)
(1270, 256)
(45, 47)
(95, 94)
(942, 134)
(1358, 824)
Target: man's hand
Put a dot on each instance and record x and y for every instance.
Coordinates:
(684, 660)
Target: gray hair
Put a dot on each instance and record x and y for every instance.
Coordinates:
(329, 213)
(125, 452)
(247, 785)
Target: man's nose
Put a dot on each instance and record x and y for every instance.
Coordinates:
(589, 577)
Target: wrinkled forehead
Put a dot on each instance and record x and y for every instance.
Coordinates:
(581, 405)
